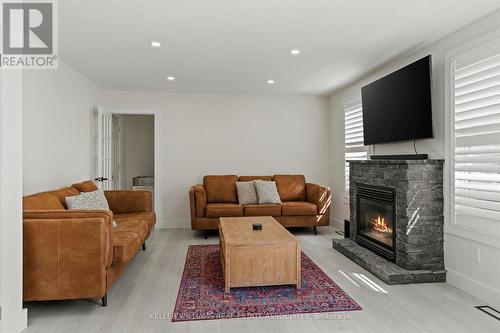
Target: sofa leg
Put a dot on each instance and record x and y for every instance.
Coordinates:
(205, 235)
(144, 246)
(104, 300)
(315, 230)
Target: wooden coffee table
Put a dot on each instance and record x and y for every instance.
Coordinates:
(270, 256)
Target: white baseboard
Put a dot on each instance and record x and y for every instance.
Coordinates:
(173, 224)
(335, 222)
(16, 323)
(475, 288)
(186, 224)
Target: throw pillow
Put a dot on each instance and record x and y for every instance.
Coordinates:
(267, 192)
(247, 195)
(89, 200)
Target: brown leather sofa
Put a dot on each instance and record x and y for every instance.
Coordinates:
(303, 204)
(70, 254)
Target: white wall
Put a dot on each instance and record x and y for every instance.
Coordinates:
(481, 279)
(229, 134)
(138, 147)
(13, 317)
(58, 107)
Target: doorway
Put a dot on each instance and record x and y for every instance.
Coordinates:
(127, 154)
(133, 152)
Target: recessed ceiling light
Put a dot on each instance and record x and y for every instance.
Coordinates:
(170, 78)
(295, 51)
(270, 81)
(155, 44)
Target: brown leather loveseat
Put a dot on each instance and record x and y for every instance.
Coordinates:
(70, 254)
(302, 204)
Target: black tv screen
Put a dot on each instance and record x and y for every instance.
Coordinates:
(398, 106)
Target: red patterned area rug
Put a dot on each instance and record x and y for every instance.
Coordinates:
(201, 293)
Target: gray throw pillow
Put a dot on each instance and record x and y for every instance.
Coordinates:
(89, 200)
(267, 192)
(247, 195)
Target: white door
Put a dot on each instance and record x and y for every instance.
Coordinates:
(105, 149)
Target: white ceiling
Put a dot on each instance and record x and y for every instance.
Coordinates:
(236, 46)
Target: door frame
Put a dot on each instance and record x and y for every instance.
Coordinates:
(117, 151)
(104, 148)
(155, 112)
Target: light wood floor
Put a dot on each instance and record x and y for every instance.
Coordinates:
(149, 286)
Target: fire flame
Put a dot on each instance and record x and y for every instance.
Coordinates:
(380, 225)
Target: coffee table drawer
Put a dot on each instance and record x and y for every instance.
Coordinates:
(263, 265)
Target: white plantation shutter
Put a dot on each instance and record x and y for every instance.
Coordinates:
(353, 135)
(476, 133)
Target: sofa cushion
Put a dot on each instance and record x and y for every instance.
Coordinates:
(250, 178)
(64, 192)
(291, 187)
(148, 217)
(221, 189)
(262, 210)
(125, 245)
(88, 200)
(302, 208)
(223, 210)
(85, 186)
(42, 201)
(267, 192)
(247, 195)
(126, 201)
(140, 227)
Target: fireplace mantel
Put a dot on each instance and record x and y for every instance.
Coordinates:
(418, 185)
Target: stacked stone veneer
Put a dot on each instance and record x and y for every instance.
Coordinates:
(419, 207)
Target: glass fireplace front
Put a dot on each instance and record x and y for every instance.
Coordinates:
(376, 224)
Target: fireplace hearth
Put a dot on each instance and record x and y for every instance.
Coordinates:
(375, 219)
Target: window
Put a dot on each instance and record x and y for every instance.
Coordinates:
(353, 134)
(475, 132)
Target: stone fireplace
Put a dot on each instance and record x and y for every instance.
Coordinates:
(396, 215)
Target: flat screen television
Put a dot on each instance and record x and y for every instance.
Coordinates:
(398, 106)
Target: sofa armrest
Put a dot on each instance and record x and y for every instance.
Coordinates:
(319, 195)
(78, 214)
(192, 209)
(132, 201)
(65, 258)
(200, 199)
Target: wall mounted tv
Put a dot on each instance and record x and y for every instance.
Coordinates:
(398, 106)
